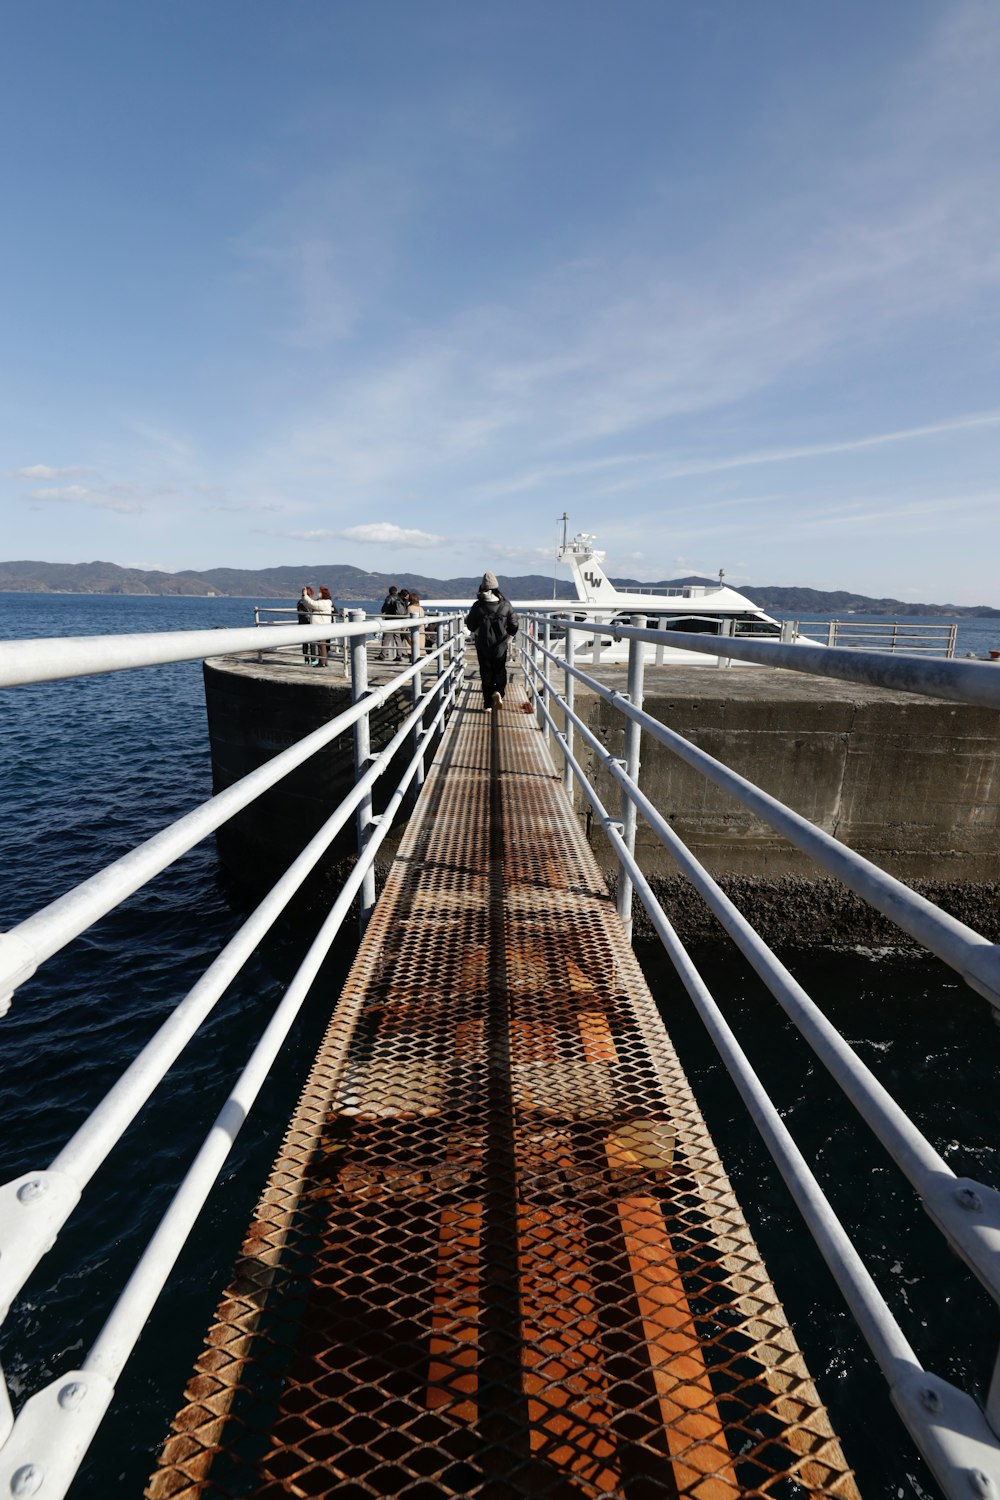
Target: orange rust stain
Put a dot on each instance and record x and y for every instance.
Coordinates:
(568, 1409)
(470, 1039)
(580, 982)
(452, 1378)
(598, 1043)
(531, 1042)
(694, 1430)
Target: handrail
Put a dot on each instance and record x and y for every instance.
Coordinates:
(53, 658)
(83, 1154)
(57, 1423)
(933, 638)
(974, 682)
(38, 937)
(960, 1441)
(888, 1341)
(975, 958)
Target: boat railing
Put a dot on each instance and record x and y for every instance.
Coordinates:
(41, 1449)
(879, 635)
(959, 1439)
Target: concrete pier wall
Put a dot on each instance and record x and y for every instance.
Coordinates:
(912, 783)
(256, 710)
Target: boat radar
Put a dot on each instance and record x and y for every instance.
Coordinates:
(584, 560)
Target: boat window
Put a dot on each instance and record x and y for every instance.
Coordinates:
(699, 624)
(706, 624)
(695, 624)
(754, 625)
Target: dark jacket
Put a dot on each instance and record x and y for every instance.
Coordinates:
(392, 604)
(492, 621)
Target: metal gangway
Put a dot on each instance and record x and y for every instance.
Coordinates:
(498, 1253)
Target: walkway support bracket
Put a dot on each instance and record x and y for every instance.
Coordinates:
(53, 1432)
(18, 962)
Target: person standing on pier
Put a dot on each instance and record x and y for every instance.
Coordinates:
(492, 621)
(392, 605)
(416, 611)
(324, 616)
(305, 608)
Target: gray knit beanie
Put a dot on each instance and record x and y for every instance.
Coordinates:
(489, 582)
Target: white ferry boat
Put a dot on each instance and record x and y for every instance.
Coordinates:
(700, 608)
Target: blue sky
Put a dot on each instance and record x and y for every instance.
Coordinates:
(396, 282)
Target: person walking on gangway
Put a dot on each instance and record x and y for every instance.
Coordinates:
(492, 621)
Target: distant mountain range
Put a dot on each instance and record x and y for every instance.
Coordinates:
(347, 583)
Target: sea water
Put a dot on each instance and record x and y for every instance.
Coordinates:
(92, 766)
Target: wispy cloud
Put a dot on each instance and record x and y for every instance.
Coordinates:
(868, 516)
(536, 558)
(319, 535)
(45, 471)
(377, 533)
(626, 470)
(816, 450)
(65, 492)
(124, 499)
(620, 346)
(386, 533)
(320, 255)
(77, 494)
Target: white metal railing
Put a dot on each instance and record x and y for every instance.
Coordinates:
(268, 616)
(959, 1440)
(40, 1450)
(880, 635)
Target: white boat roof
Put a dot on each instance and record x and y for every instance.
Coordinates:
(596, 590)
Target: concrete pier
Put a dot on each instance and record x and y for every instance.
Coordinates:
(912, 783)
(256, 709)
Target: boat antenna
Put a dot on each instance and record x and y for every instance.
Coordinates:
(564, 518)
(722, 574)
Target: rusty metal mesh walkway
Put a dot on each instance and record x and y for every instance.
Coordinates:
(498, 1255)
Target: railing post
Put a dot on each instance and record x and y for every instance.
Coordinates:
(725, 628)
(633, 734)
(536, 657)
(362, 757)
(661, 620)
(831, 633)
(456, 649)
(952, 639)
(463, 647)
(992, 1408)
(546, 695)
(569, 726)
(416, 691)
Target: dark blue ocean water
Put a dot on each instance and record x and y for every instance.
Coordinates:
(90, 767)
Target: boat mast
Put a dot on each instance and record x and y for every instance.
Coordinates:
(562, 550)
